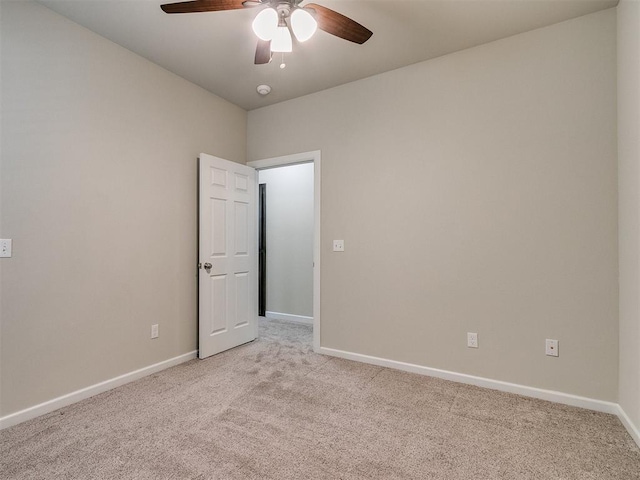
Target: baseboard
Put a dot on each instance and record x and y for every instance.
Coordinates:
(73, 397)
(550, 395)
(633, 430)
(289, 318)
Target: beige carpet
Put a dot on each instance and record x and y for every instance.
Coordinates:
(273, 409)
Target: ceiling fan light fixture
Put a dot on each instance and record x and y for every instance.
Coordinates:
(281, 41)
(265, 24)
(303, 24)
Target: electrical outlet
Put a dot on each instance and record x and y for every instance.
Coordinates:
(5, 247)
(472, 340)
(154, 331)
(338, 245)
(551, 347)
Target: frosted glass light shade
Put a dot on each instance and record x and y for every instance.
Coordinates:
(281, 41)
(303, 24)
(265, 24)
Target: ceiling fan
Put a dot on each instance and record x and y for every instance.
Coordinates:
(274, 22)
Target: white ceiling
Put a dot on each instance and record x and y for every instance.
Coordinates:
(215, 50)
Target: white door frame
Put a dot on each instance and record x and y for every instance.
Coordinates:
(297, 158)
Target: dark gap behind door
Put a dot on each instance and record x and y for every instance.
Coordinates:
(262, 249)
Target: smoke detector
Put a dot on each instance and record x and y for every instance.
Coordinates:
(263, 89)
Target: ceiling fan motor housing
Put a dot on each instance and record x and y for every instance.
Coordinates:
(283, 9)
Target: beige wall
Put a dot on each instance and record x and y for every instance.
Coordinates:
(98, 173)
(289, 239)
(475, 192)
(629, 204)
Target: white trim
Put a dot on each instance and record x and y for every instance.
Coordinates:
(306, 157)
(289, 318)
(550, 395)
(633, 430)
(78, 395)
(553, 396)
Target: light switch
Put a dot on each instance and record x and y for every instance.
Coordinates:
(338, 245)
(5, 247)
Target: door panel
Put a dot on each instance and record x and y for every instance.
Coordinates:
(242, 299)
(218, 229)
(228, 244)
(242, 228)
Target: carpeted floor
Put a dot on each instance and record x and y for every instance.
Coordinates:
(273, 409)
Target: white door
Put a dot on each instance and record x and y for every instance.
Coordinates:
(227, 278)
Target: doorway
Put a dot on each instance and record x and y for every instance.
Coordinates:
(311, 305)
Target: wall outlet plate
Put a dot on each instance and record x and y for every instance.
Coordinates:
(154, 331)
(5, 248)
(338, 245)
(472, 340)
(551, 347)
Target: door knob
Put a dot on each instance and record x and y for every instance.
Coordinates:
(207, 266)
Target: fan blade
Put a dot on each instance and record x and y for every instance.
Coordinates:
(263, 52)
(337, 24)
(201, 6)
